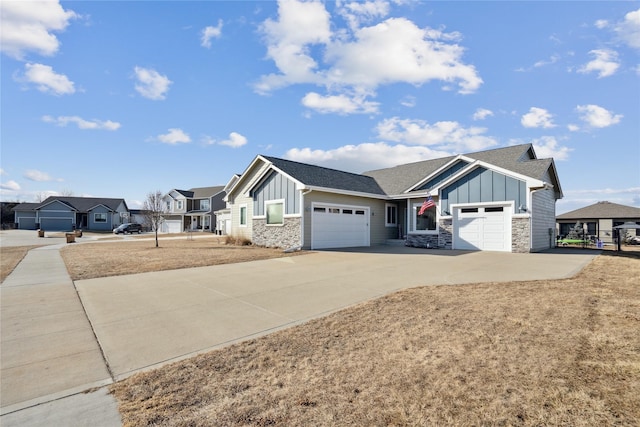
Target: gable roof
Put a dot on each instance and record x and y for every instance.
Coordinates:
(603, 210)
(202, 192)
(318, 176)
(520, 159)
(80, 204)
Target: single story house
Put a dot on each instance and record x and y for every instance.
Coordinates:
(192, 210)
(60, 213)
(599, 218)
(501, 200)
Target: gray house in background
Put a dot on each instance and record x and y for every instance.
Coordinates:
(68, 213)
(193, 209)
(499, 200)
(599, 219)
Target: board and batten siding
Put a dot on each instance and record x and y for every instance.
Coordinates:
(377, 229)
(483, 185)
(543, 218)
(276, 187)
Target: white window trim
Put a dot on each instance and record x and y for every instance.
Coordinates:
(100, 213)
(414, 211)
(246, 215)
(273, 202)
(179, 205)
(386, 218)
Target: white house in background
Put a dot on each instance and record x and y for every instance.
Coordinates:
(499, 200)
(192, 210)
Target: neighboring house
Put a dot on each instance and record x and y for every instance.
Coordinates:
(192, 210)
(502, 200)
(600, 218)
(59, 213)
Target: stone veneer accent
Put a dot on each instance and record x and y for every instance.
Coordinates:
(442, 240)
(285, 236)
(520, 235)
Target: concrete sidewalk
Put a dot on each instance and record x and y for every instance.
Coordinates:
(48, 348)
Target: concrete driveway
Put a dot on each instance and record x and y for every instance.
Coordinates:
(144, 320)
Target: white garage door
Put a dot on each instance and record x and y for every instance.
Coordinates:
(485, 228)
(339, 226)
(172, 226)
(56, 224)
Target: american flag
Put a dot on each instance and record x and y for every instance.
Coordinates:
(428, 203)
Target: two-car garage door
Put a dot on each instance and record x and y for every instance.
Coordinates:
(482, 228)
(336, 226)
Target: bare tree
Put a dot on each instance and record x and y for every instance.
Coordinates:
(153, 211)
(66, 193)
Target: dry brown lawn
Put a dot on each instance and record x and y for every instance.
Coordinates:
(563, 352)
(10, 257)
(91, 260)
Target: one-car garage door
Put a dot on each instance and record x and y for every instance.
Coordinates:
(27, 223)
(339, 226)
(172, 226)
(485, 228)
(56, 224)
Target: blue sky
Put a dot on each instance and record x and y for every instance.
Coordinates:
(119, 99)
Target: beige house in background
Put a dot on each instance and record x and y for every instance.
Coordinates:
(600, 218)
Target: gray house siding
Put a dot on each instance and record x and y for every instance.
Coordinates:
(451, 170)
(543, 220)
(483, 185)
(56, 216)
(105, 226)
(276, 187)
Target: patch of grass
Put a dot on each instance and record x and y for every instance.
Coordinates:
(91, 260)
(10, 257)
(563, 352)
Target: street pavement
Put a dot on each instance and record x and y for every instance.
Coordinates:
(60, 338)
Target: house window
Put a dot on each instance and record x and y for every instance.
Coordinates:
(168, 206)
(243, 215)
(179, 204)
(275, 212)
(100, 217)
(426, 221)
(204, 204)
(391, 215)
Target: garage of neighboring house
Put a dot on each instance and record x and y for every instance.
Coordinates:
(336, 226)
(56, 224)
(482, 228)
(172, 226)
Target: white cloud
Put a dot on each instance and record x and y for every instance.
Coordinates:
(209, 33)
(537, 118)
(629, 29)
(82, 123)
(174, 136)
(482, 113)
(601, 23)
(447, 136)
(46, 80)
(235, 140)
(28, 26)
(10, 185)
(341, 104)
(2, 172)
(579, 198)
(408, 101)
(357, 61)
(573, 127)
(39, 176)
(151, 84)
(598, 117)
(548, 147)
(552, 60)
(366, 156)
(605, 63)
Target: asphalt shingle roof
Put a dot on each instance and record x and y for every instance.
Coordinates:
(318, 176)
(81, 204)
(603, 210)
